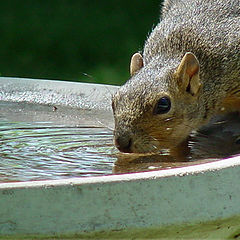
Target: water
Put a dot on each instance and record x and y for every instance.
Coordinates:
(40, 142)
(39, 150)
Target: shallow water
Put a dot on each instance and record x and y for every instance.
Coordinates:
(45, 150)
(39, 150)
(40, 142)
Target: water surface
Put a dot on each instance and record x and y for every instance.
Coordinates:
(41, 142)
(45, 142)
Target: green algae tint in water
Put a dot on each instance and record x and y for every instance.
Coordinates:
(50, 150)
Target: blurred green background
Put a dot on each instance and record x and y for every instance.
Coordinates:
(76, 40)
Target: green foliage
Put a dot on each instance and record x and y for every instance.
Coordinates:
(78, 40)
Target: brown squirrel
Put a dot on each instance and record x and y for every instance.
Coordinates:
(189, 71)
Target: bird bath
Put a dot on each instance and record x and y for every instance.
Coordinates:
(60, 134)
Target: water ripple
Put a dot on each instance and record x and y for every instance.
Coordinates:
(37, 151)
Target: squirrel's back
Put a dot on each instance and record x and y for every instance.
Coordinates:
(208, 28)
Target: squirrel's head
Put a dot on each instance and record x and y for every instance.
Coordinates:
(158, 107)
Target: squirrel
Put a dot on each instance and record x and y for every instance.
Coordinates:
(189, 72)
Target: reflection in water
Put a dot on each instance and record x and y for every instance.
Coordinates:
(220, 139)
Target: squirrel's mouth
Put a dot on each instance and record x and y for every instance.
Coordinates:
(126, 144)
(123, 143)
(146, 144)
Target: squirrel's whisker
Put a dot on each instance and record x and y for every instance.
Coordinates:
(105, 126)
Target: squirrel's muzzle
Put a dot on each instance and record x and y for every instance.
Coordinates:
(123, 142)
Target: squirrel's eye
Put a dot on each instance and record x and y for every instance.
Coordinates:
(163, 106)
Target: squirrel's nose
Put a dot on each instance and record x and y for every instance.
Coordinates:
(123, 142)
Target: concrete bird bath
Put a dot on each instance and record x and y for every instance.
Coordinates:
(195, 201)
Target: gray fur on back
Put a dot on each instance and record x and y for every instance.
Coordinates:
(208, 28)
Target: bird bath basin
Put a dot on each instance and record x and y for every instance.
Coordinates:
(60, 134)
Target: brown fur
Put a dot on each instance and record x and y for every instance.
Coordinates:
(198, 88)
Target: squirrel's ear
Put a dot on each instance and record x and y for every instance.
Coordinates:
(136, 63)
(188, 73)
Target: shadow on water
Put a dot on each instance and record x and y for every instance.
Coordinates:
(40, 142)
